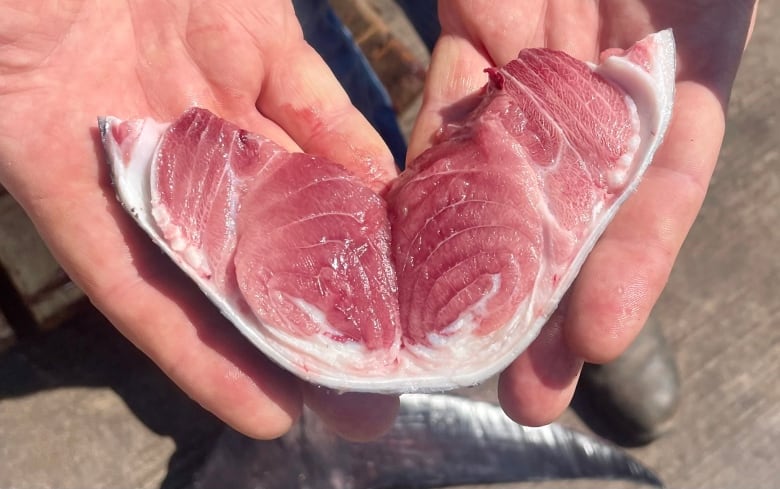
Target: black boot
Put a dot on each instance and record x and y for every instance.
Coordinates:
(632, 400)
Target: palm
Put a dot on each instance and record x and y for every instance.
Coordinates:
(628, 268)
(84, 58)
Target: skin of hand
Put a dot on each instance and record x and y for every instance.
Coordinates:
(63, 63)
(628, 268)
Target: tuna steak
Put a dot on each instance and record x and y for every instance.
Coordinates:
(448, 277)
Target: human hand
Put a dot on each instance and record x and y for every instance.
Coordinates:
(64, 63)
(628, 268)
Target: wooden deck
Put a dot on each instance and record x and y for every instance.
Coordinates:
(79, 407)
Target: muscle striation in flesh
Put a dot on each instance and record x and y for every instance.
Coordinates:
(447, 277)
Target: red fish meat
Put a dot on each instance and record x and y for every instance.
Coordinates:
(445, 279)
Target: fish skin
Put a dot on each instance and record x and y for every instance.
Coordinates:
(436, 441)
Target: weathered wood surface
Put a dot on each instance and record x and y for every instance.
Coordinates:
(38, 292)
(396, 65)
(80, 407)
(7, 336)
(81, 412)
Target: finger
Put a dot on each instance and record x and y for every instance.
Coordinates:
(502, 31)
(185, 64)
(537, 387)
(353, 416)
(627, 270)
(467, 48)
(456, 72)
(301, 95)
(571, 26)
(232, 81)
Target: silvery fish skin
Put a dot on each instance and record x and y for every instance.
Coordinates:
(436, 441)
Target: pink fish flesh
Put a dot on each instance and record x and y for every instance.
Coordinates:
(448, 277)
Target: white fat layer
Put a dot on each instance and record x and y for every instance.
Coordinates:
(135, 188)
(131, 177)
(173, 234)
(465, 349)
(468, 319)
(618, 177)
(348, 366)
(349, 357)
(458, 340)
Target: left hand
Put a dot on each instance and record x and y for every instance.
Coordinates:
(628, 268)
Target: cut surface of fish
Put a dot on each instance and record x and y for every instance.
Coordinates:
(444, 280)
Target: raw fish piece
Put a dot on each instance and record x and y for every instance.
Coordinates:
(441, 282)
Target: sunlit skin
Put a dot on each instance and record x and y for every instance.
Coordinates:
(62, 63)
(626, 271)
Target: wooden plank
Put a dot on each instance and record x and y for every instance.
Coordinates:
(41, 286)
(7, 336)
(399, 69)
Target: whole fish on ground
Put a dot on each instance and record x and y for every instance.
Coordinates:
(436, 441)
